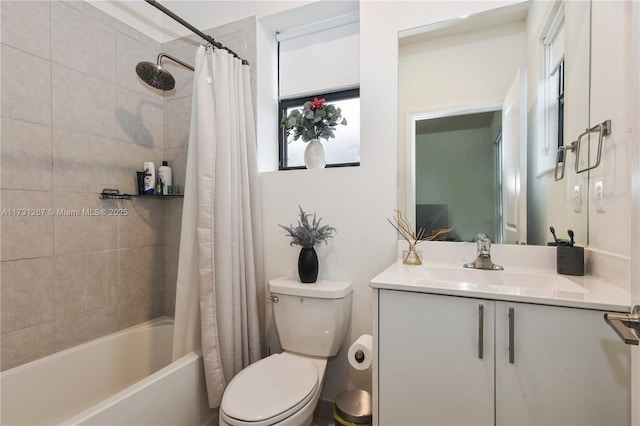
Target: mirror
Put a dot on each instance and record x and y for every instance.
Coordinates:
(484, 103)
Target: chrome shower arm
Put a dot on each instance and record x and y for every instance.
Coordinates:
(164, 55)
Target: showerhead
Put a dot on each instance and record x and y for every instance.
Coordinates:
(156, 76)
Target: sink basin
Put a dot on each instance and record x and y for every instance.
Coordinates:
(496, 281)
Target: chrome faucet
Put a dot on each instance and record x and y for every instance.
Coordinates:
(483, 260)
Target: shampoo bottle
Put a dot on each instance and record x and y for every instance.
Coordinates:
(166, 177)
(149, 177)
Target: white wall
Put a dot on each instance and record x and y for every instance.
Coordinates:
(611, 99)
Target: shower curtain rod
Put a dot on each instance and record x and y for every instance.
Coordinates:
(178, 19)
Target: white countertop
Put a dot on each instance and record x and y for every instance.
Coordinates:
(450, 278)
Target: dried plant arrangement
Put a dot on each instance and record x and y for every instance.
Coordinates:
(404, 228)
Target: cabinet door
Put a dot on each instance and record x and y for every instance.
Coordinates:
(430, 372)
(568, 368)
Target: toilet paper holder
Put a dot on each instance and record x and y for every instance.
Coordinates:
(360, 352)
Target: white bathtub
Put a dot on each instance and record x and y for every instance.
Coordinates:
(125, 378)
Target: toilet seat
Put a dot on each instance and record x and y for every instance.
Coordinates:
(270, 390)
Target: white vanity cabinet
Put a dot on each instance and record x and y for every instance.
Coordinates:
(446, 360)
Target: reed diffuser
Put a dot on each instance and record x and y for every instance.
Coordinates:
(413, 238)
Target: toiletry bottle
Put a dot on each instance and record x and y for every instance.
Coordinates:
(158, 187)
(166, 176)
(149, 177)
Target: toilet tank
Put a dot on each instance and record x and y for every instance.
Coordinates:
(311, 319)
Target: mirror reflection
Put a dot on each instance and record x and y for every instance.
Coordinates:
(461, 153)
(484, 103)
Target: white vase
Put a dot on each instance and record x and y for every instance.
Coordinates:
(314, 155)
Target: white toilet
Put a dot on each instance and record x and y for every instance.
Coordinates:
(283, 389)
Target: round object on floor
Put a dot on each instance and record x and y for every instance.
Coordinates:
(353, 407)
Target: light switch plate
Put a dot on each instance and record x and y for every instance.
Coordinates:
(577, 199)
(598, 196)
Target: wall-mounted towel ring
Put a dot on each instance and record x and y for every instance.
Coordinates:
(604, 129)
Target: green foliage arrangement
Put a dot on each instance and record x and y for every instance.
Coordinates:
(315, 120)
(308, 235)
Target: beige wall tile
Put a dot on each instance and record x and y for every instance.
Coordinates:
(234, 36)
(173, 222)
(79, 5)
(170, 278)
(190, 41)
(85, 282)
(62, 117)
(26, 156)
(177, 158)
(140, 309)
(141, 272)
(170, 301)
(27, 293)
(144, 223)
(178, 121)
(116, 24)
(27, 344)
(82, 102)
(27, 26)
(27, 225)
(26, 86)
(83, 163)
(140, 119)
(80, 328)
(82, 42)
(76, 232)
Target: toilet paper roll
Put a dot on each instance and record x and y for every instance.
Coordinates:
(361, 352)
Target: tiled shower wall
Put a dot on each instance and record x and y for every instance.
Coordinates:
(75, 120)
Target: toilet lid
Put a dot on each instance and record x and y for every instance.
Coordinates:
(270, 388)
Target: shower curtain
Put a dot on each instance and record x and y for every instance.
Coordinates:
(220, 292)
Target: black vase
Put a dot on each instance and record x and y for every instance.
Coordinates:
(308, 265)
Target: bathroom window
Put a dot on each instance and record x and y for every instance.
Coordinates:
(554, 51)
(341, 151)
(320, 59)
